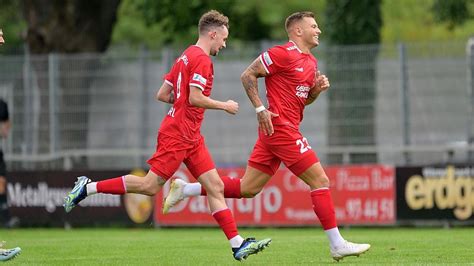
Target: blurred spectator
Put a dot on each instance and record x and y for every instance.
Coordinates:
(5, 216)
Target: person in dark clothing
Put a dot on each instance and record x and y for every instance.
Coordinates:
(5, 216)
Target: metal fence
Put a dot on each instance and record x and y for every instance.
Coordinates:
(98, 111)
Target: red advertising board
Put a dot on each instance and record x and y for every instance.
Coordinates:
(361, 194)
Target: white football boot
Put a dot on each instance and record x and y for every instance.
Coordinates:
(348, 249)
(175, 195)
(8, 254)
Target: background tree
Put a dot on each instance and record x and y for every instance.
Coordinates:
(452, 12)
(155, 23)
(67, 26)
(180, 17)
(12, 24)
(352, 73)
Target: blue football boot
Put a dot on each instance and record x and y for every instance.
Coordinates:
(78, 193)
(250, 246)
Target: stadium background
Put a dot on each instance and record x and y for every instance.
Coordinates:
(94, 114)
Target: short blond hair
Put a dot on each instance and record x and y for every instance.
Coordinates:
(211, 19)
(295, 17)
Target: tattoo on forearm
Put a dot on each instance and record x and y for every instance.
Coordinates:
(250, 83)
(251, 87)
(255, 69)
(311, 98)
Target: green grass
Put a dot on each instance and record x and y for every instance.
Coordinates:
(209, 247)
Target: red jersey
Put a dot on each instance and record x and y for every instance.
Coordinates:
(290, 76)
(193, 68)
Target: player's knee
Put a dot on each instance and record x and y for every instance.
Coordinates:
(218, 186)
(323, 181)
(149, 188)
(215, 187)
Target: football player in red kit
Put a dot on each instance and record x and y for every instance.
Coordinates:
(292, 81)
(188, 87)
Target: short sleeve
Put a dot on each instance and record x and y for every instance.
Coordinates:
(4, 116)
(201, 73)
(275, 59)
(170, 76)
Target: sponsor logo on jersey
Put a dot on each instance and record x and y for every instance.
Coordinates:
(294, 47)
(302, 91)
(199, 78)
(299, 69)
(267, 59)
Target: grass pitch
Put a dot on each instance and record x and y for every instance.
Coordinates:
(208, 246)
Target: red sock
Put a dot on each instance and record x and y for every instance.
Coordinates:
(231, 188)
(324, 208)
(227, 223)
(112, 186)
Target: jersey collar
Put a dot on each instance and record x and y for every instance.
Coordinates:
(297, 48)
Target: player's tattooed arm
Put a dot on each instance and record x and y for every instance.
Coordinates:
(250, 83)
(165, 93)
(312, 96)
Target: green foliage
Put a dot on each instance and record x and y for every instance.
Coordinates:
(453, 12)
(247, 24)
(404, 20)
(132, 30)
(156, 23)
(353, 22)
(274, 13)
(413, 21)
(179, 18)
(12, 24)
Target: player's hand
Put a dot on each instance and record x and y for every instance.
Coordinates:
(231, 107)
(321, 82)
(265, 121)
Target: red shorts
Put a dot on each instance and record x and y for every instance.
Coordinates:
(171, 152)
(286, 145)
